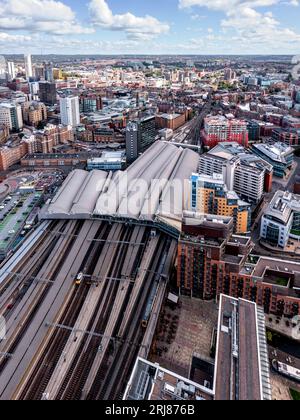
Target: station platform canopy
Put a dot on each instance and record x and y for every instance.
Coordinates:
(154, 188)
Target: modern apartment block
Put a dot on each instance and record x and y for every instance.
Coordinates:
(11, 70)
(281, 220)
(70, 111)
(245, 173)
(210, 195)
(11, 115)
(279, 155)
(28, 66)
(210, 266)
(220, 129)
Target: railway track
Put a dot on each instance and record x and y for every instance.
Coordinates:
(84, 339)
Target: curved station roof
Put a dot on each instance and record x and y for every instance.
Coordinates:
(152, 188)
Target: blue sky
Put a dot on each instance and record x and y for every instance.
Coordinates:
(146, 27)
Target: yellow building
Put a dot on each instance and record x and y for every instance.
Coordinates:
(57, 74)
(209, 195)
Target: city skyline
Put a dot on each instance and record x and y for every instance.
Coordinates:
(132, 27)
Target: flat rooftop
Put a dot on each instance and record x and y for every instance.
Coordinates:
(240, 355)
(149, 381)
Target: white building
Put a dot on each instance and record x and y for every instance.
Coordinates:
(243, 172)
(70, 111)
(11, 115)
(281, 220)
(28, 66)
(11, 70)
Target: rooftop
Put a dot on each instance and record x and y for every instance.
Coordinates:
(278, 152)
(282, 206)
(151, 382)
(151, 188)
(241, 352)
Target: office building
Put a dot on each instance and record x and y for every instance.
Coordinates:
(290, 137)
(90, 103)
(47, 93)
(254, 130)
(11, 70)
(69, 111)
(210, 195)
(49, 77)
(211, 266)
(140, 135)
(281, 220)
(244, 172)
(132, 141)
(147, 132)
(11, 116)
(279, 155)
(28, 66)
(220, 129)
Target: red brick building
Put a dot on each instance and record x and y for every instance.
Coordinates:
(208, 267)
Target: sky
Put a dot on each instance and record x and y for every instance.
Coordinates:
(150, 26)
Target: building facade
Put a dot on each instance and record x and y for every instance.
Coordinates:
(11, 116)
(208, 267)
(70, 111)
(279, 155)
(209, 195)
(47, 93)
(221, 129)
(281, 220)
(34, 113)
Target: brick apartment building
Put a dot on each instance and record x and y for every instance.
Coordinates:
(220, 129)
(223, 263)
(34, 113)
(171, 121)
(4, 133)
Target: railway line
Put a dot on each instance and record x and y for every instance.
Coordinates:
(79, 341)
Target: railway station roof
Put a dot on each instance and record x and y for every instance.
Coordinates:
(152, 188)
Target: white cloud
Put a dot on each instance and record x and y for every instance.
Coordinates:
(246, 27)
(49, 16)
(135, 27)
